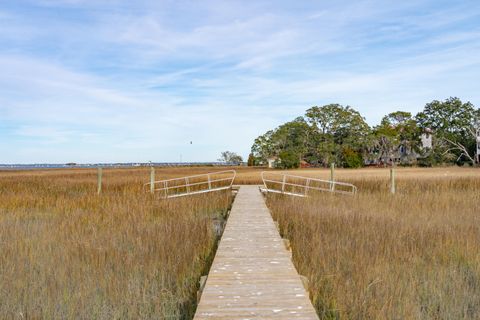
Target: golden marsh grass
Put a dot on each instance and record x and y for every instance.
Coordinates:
(414, 255)
(67, 253)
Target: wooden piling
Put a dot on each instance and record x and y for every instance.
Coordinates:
(152, 180)
(332, 177)
(392, 180)
(99, 180)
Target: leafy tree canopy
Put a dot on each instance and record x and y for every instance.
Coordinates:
(451, 118)
(339, 134)
(454, 123)
(339, 122)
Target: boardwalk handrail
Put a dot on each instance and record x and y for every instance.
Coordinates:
(206, 184)
(285, 185)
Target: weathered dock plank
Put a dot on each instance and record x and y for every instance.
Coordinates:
(252, 275)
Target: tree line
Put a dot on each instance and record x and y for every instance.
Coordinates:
(445, 132)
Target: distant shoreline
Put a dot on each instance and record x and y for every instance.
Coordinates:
(108, 165)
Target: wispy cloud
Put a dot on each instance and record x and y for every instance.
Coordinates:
(117, 81)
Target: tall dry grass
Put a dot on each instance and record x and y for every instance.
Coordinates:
(415, 255)
(66, 253)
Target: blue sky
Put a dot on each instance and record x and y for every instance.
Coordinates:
(121, 81)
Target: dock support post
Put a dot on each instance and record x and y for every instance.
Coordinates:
(99, 180)
(332, 177)
(152, 180)
(392, 180)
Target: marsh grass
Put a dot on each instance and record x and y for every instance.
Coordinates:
(414, 255)
(66, 253)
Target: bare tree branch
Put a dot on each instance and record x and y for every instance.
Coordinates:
(460, 147)
(472, 131)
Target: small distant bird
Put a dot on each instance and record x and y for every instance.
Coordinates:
(190, 142)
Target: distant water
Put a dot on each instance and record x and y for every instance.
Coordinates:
(107, 165)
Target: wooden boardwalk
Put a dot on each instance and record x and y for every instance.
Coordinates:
(252, 276)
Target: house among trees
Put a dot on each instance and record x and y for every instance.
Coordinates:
(271, 161)
(444, 132)
(426, 139)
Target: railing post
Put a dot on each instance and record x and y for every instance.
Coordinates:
(99, 180)
(165, 187)
(307, 186)
(152, 180)
(187, 185)
(332, 177)
(392, 180)
(209, 182)
(283, 183)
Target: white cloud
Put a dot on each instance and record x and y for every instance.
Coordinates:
(139, 81)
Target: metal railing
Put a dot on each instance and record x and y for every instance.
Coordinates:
(303, 186)
(196, 184)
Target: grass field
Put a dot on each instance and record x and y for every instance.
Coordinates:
(414, 255)
(68, 253)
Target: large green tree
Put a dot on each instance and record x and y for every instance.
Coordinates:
(337, 129)
(263, 147)
(291, 138)
(335, 133)
(454, 124)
